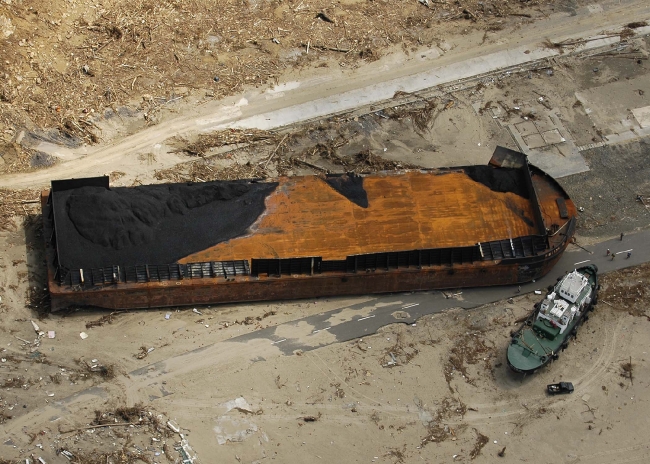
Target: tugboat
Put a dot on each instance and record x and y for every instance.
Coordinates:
(557, 318)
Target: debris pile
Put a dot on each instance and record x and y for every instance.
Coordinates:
(126, 53)
(219, 139)
(469, 349)
(627, 290)
(136, 434)
(450, 410)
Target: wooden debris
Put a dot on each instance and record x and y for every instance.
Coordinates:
(17, 203)
(225, 138)
(128, 52)
(275, 150)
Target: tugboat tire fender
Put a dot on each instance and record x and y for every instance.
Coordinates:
(543, 359)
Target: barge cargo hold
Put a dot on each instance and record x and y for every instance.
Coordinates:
(302, 237)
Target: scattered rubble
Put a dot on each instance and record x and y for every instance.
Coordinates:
(627, 290)
(105, 319)
(481, 441)
(469, 349)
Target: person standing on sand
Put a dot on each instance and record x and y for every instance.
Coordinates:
(622, 236)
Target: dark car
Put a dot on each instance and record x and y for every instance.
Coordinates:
(562, 387)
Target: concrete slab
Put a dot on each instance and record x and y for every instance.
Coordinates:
(642, 115)
(527, 128)
(497, 112)
(557, 156)
(553, 137)
(609, 105)
(544, 123)
(384, 91)
(534, 141)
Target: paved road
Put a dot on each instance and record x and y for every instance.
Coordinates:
(420, 304)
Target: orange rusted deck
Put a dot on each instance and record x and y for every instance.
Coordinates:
(412, 210)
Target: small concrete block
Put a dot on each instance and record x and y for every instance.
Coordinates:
(642, 115)
(527, 128)
(534, 141)
(544, 123)
(497, 112)
(553, 136)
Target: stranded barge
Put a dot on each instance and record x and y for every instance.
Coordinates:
(302, 237)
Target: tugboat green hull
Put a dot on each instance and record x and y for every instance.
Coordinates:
(555, 319)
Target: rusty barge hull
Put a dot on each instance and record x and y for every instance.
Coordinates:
(197, 292)
(303, 237)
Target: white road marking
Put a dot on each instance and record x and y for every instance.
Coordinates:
(580, 262)
(279, 341)
(367, 317)
(326, 328)
(625, 251)
(411, 305)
